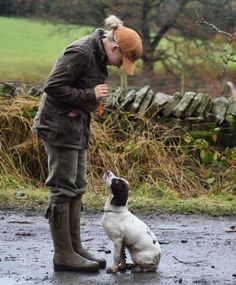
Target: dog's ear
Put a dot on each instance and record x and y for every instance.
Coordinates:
(120, 191)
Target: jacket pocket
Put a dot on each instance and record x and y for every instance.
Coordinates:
(70, 129)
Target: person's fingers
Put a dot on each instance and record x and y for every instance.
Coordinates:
(103, 86)
(101, 91)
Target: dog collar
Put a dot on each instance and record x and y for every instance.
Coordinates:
(111, 211)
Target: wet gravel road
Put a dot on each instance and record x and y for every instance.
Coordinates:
(196, 250)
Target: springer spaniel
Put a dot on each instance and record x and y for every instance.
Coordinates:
(127, 231)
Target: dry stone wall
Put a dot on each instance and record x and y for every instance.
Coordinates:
(188, 106)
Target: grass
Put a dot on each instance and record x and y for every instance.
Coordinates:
(22, 196)
(164, 176)
(30, 47)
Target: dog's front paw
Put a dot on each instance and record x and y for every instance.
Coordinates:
(111, 270)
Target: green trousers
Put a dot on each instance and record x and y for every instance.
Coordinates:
(66, 172)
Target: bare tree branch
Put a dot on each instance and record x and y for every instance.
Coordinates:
(201, 21)
(169, 24)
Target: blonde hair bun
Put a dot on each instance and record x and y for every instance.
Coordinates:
(112, 22)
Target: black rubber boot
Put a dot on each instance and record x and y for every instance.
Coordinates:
(65, 258)
(75, 212)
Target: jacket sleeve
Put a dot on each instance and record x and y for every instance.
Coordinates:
(60, 82)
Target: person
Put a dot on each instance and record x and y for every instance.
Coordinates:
(72, 91)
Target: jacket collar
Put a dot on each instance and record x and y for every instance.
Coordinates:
(98, 35)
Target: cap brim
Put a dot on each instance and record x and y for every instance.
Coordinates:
(128, 66)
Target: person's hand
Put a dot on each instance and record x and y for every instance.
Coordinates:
(101, 91)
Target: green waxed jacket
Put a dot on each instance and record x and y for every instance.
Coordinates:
(70, 87)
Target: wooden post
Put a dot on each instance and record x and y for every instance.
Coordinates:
(182, 82)
(124, 80)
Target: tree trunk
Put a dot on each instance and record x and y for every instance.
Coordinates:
(148, 66)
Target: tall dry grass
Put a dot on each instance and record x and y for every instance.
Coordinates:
(144, 153)
(130, 145)
(20, 151)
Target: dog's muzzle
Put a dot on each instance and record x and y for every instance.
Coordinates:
(107, 177)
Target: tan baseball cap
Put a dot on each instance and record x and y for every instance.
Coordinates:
(131, 47)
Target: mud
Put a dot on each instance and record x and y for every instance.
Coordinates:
(196, 250)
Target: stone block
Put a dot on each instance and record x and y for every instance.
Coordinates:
(181, 108)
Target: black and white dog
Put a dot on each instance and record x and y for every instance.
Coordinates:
(127, 231)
